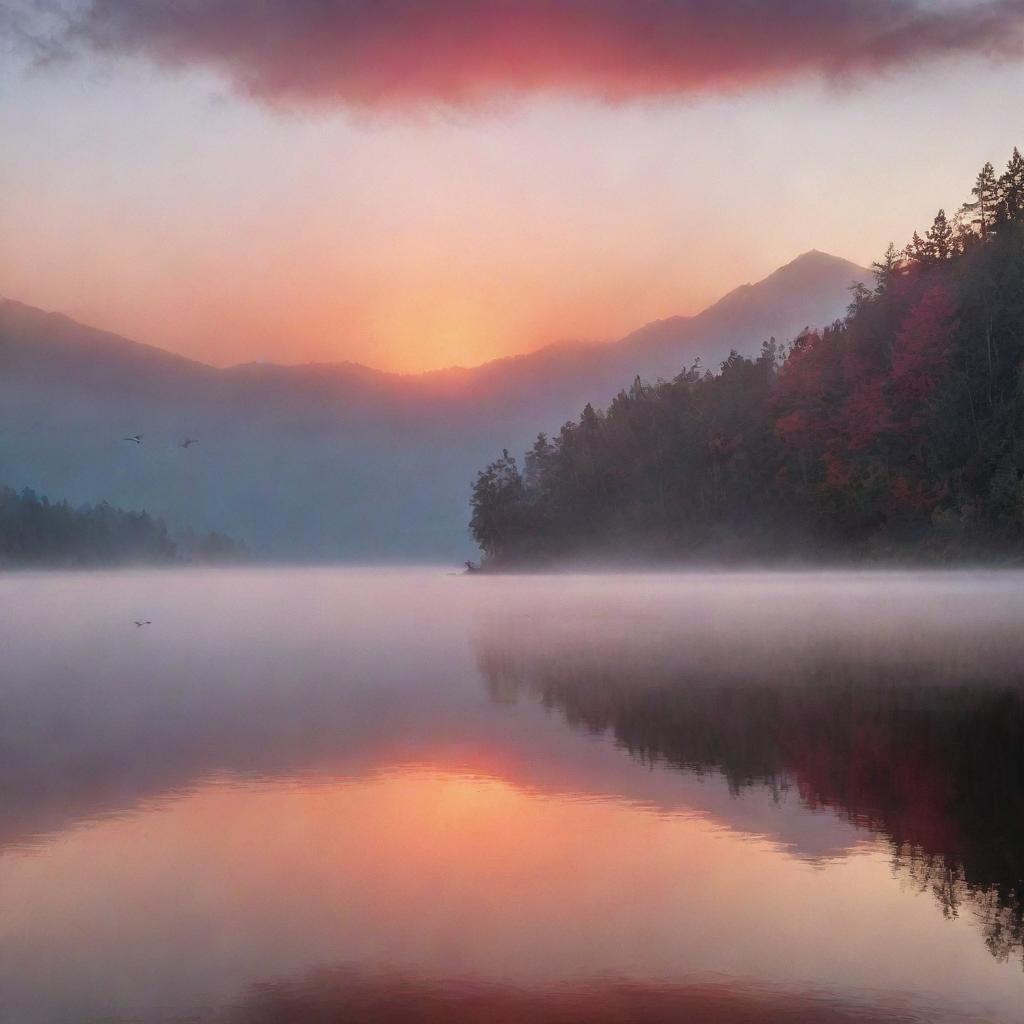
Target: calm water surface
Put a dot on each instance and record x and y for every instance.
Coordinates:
(403, 796)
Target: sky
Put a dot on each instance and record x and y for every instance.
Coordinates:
(415, 185)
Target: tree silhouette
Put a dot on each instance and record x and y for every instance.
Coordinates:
(986, 201)
(36, 531)
(940, 238)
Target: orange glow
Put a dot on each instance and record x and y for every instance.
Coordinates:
(401, 303)
(165, 208)
(459, 874)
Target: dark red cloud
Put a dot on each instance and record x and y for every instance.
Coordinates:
(394, 52)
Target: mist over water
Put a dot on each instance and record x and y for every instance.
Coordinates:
(404, 795)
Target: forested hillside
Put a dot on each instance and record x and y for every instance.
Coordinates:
(36, 531)
(895, 432)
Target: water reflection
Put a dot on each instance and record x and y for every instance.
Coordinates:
(457, 880)
(336, 996)
(921, 742)
(346, 796)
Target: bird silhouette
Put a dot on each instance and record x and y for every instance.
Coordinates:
(136, 438)
(189, 441)
(143, 622)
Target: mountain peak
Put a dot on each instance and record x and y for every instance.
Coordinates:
(813, 254)
(813, 273)
(813, 267)
(815, 257)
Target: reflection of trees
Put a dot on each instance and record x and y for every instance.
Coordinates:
(997, 906)
(934, 764)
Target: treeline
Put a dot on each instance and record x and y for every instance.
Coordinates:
(896, 431)
(37, 532)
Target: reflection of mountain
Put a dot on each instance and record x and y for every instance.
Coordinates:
(66, 757)
(333, 461)
(935, 766)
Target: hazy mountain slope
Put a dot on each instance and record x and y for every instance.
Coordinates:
(810, 291)
(333, 461)
(801, 294)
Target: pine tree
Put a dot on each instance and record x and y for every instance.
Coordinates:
(918, 250)
(497, 504)
(538, 462)
(885, 269)
(986, 200)
(940, 238)
(964, 235)
(1011, 189)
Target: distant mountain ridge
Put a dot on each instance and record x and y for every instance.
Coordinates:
(335, 461)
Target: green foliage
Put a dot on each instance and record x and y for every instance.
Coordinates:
(897, 430)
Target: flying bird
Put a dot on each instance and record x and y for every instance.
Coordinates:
(136, 438)
(143, 622)
(189, 441)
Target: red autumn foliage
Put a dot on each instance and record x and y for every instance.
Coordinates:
(866, 413)
(921, 353)
(807, 371)
(805, 386)
(793, 428)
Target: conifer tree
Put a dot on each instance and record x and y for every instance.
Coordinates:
(918, 250)
(496, 500)
(885, 269)
(940, 238)
(538, 462)
(1011, 189)
(986, 200)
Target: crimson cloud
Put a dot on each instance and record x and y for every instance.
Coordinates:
(461, 52)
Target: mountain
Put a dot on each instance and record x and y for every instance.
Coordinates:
(335, 461)
(812, 290)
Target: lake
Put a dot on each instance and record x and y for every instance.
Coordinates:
(402, 795)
